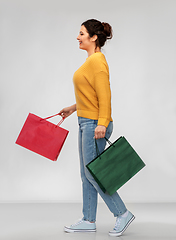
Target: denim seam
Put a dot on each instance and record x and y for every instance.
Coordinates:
(89, 216)
(89, 204)
(120, 213)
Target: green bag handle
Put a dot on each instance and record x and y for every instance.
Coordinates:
(107, 140)
(97, 150)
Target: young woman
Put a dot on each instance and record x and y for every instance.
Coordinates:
(93, 106)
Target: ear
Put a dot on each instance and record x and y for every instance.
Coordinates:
(94, 38)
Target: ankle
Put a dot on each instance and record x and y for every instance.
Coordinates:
(89, 221)
(124, 215)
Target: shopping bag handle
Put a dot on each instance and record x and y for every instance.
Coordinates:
(107, 140)
(61, 121)
(97, 150)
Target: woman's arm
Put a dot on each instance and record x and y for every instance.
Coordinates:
(103, 92)
(65, 112)
(102, 88)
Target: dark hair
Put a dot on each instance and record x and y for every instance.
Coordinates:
(102, 29)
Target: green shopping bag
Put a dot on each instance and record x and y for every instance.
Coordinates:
(115, 165)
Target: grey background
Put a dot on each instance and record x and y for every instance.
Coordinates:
(38, 56)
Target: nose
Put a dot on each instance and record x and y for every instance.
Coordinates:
(78, 37)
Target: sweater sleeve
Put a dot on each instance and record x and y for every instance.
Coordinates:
(102, 88)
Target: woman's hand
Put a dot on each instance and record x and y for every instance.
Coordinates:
(65, 112)
(100, 131)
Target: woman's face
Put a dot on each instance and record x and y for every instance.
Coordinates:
(85, 41)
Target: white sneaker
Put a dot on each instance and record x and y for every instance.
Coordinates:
(122, 224)
(81, 226)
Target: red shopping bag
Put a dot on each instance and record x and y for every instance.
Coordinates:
(42, 137)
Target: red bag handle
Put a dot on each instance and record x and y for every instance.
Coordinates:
(61, 121)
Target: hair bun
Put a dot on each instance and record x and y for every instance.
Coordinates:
(107, 30)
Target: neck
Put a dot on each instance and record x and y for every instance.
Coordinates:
(91, 51)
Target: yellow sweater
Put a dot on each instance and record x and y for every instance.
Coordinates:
(92, 89)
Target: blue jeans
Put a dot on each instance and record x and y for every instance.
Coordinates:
(87, 152)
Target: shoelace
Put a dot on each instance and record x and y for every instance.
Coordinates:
(117, 224)
(75, 224)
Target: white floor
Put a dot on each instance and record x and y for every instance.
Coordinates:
(45, 221)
